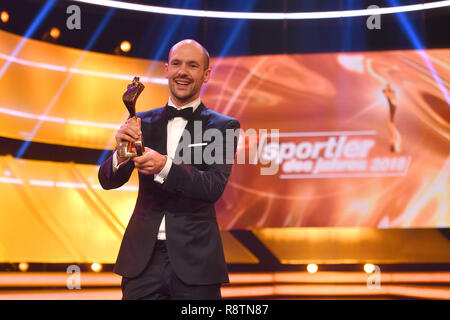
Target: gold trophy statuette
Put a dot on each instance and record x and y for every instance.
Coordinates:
(125, 149)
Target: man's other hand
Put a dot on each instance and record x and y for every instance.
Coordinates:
(151, 162)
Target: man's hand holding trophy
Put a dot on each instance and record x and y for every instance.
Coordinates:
(129, 136)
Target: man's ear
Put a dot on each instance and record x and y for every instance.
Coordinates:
(207, 75)
(166, 70)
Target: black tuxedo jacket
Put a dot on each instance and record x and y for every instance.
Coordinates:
(186, 198)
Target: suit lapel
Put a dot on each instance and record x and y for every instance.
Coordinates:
(155, 136)
(195, 133)
(196, 137)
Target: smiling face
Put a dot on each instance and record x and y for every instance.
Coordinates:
(187, 71)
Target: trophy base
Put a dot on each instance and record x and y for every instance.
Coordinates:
(125, 149)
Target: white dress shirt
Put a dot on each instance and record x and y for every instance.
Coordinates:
(175, 129)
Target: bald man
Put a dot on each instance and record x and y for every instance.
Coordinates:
(172, 247)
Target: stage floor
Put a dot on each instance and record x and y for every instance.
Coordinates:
(276, 285)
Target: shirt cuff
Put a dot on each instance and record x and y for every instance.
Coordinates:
(115, 163)
(162, 175)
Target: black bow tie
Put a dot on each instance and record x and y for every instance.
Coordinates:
(172, 112)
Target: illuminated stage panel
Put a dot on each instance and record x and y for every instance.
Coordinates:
(330, 285)
(57, 212)
(235, 252)
(23, 233)
(355, 245)
(77, 95)
(120, 201)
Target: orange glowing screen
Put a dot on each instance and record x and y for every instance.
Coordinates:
(364, 139)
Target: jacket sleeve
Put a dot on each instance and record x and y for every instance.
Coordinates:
(209, 184)
(112, 180)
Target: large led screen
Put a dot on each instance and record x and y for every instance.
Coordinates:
(331, 139)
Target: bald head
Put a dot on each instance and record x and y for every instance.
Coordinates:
(187, 70)
(194, 44)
